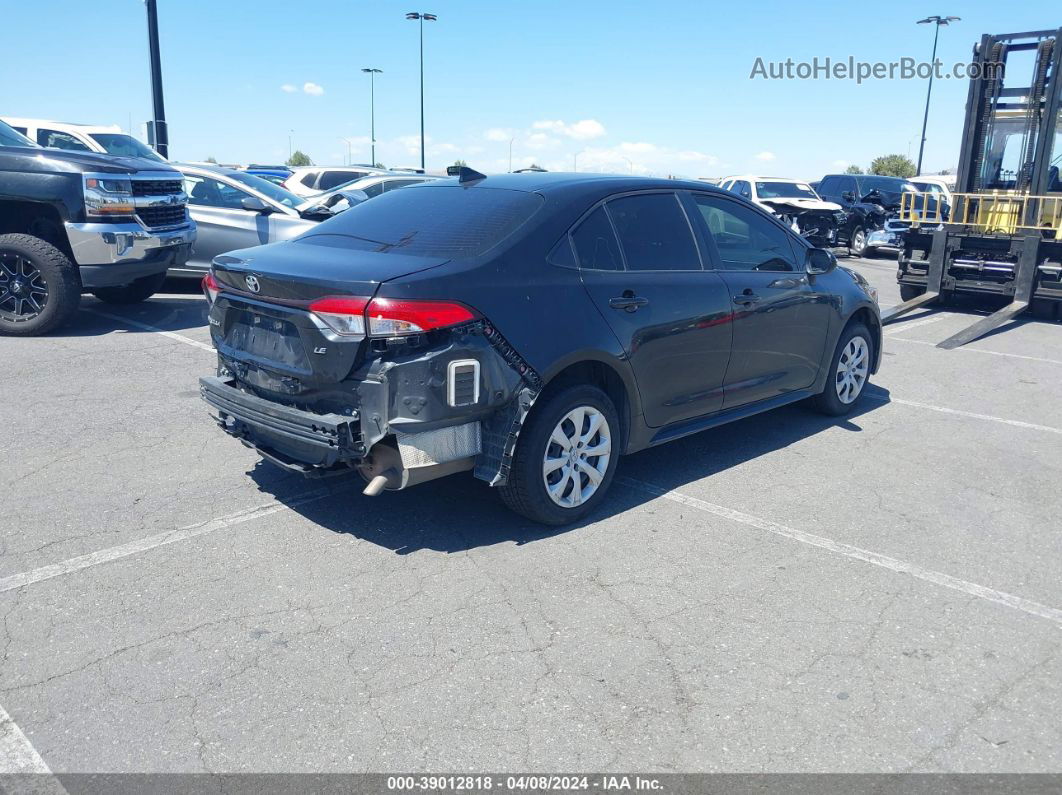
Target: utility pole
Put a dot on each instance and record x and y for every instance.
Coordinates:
(158, 133)
(372, 114)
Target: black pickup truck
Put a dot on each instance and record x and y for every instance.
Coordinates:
(74, 222)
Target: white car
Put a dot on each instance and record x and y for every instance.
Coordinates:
(938, 187)
(108, 140)
(311, 180)
(348, 194)
(795, 203)
(778, 195)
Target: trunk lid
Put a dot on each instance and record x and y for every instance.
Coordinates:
(261, 319)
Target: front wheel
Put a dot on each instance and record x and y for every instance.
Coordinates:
(39, 286)
(133, 293)
(857, 242)
(565, 457)
(849, 371)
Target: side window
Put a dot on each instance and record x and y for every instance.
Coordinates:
(654, 233)
(741, 188)
(332, 179)
(595, 243)
(746, 240)
(21, 130)
(725, 185)
(206, 192)
(375, 189)
(60, 140)
(308, 178)
(851, 184)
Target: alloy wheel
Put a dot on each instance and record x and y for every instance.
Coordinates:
(852, 370)
(23, 291)
(577, 456)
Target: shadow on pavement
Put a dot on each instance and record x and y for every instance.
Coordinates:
(179, 306)
(459, 513)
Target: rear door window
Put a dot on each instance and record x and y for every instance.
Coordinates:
(309, 178)
(654, 233)
(595, 243)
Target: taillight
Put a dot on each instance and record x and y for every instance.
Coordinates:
(211, 288)
(390, 317)
(343, 315)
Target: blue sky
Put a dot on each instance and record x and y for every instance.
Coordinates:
(654, 87)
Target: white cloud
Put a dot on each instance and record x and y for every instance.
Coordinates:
(581, 130)
(840, 164)
(690, 156)
(766, 157)
(288, 88)
(313, 89)
(637, 147)
(498, 134)
(539, 141)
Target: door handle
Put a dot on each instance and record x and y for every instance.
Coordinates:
(628, 301)
(747, 297)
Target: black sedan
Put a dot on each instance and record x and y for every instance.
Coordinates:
(530, 328)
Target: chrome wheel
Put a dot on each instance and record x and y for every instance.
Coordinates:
(23, 291)
(577, 456)
(852, 370)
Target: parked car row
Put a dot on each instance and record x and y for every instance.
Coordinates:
(857, 211)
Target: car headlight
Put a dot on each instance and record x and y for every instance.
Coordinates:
(107, 197)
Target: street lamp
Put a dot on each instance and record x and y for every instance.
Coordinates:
(629, 163)
(575, 160)
(511, 154)
(159, 136)
(430, 18)
(372, 107)
(937, 22)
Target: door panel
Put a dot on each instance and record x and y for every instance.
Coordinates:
(671, 317)
(780, 319)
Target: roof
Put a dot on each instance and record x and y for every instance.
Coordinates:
(61, 125)
(761, 178)
(557, 181)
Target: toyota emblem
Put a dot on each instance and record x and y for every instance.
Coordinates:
(252, 283)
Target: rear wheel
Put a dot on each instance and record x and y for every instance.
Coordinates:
(565, 458)
(849, 371)
(39, 287)
(133, 293)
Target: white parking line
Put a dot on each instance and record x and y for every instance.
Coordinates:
(147, 327)
(151, 542)
(894, 330)
(1032, 426)
(966, 349)
(17, 754)
(855, 553)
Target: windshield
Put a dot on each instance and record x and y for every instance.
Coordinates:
(124, 145)
(275, 192)
(9, 137)
(784, 190)
(449, 221)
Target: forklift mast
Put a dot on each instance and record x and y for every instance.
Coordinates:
(1002, 234)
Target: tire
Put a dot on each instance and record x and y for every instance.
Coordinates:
(857, 242)
(39, 286)
(133, 293)
(526, 490)
(835, 399)
(909, 291)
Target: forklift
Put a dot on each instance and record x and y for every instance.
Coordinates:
(1001, 235)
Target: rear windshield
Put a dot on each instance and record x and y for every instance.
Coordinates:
(438, 221)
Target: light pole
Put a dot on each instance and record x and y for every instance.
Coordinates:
(430, 18)
(629, 163)
(372, 108)
(350, 158)
(511, 154)
(575, 160)
(160, 136)
(937, 21)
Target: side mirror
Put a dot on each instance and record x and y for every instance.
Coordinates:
(848, 196)
(820, 261)
(255, 205)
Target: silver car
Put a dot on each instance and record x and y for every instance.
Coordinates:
(234, 210)
(345, 196)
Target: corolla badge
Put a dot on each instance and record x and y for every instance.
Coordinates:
(252, 283)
